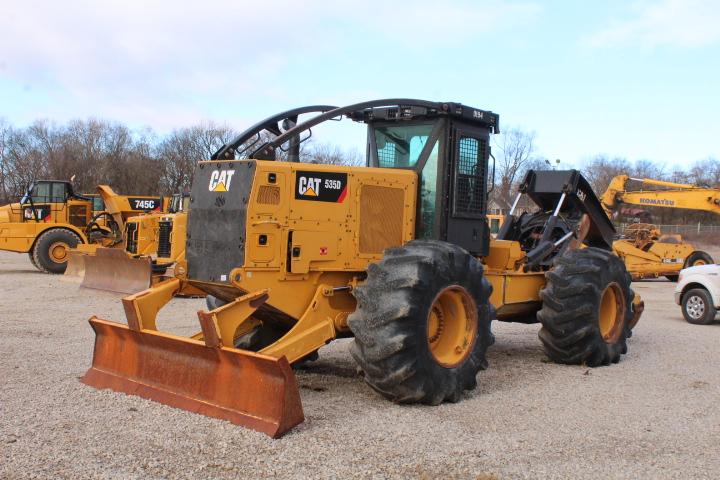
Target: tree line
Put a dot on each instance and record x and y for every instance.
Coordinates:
(515, 153)
(139, 162)
(144, 162)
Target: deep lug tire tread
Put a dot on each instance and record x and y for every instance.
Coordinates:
(40, 254)
(570, 333)
(390, 322)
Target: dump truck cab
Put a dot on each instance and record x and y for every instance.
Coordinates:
(53, 201)
(51, 219)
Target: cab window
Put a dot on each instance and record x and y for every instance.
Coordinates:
(98, 205)
(399, 146)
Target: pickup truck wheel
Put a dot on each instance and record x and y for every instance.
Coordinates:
(698, 307)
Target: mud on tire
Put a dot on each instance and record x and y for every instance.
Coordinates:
(396, 308)
(41, 253)
(587, 308)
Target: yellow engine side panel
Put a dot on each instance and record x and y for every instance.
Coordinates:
(297, 241)
(661, 259)
(287, 220)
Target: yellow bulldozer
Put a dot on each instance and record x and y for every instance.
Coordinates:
(646, 251)
(51, 219)
(154, 248)
(396, 254)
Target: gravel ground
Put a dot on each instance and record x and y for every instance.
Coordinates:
(654, 415)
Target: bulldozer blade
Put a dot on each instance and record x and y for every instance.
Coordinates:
(246, 388)
(75, 269)
(115, 271)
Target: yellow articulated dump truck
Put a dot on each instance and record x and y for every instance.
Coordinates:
(648, 253)
(51, 219)
(396, 254)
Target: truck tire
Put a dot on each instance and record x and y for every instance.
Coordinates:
(32, 258)
(51, 249)
(587, 308)
(422, 323)
(698, 307)
(698, 258)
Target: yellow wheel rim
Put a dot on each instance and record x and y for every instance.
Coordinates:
(699, 262)
(452, 326)
(612, 313)
(58, 252)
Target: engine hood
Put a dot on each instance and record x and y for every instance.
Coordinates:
(701, 270)
(8, 213)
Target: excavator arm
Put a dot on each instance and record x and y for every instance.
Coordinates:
(676, 195)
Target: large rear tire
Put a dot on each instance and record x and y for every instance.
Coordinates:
(51, 249)
(32, 258)
(587, 308)
(422, 324)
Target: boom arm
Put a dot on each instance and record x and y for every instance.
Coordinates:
(678, 195)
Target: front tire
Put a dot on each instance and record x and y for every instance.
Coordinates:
(587, 308)
(51, 250)
(422, 323)
(698, 307)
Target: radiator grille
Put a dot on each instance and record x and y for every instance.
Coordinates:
(131, 237)
(381, 218)
(164, 246)
(268, 195)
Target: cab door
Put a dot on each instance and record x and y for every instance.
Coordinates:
(46, 203)
(467, 184)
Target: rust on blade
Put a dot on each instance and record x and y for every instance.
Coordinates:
(114, 270)
(249, 389)
(75, 268)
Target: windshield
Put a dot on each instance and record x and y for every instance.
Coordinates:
(46, 192)
(399, 146)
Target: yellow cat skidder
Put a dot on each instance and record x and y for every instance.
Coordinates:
(51, 219)
(396, 254)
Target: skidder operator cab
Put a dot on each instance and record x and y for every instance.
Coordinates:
(445, 144)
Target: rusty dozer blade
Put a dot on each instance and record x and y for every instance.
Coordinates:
(114, 270)
(75, 268)
(197, 374)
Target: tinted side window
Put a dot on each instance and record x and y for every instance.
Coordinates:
(58, 192)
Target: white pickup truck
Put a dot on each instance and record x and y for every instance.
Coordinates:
(698, 293)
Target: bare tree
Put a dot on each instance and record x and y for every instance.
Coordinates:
(514, 151)
(648, 169)
(601, 169)
(705, 172)
(331, 154)
(180, 151)
(5, 131)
